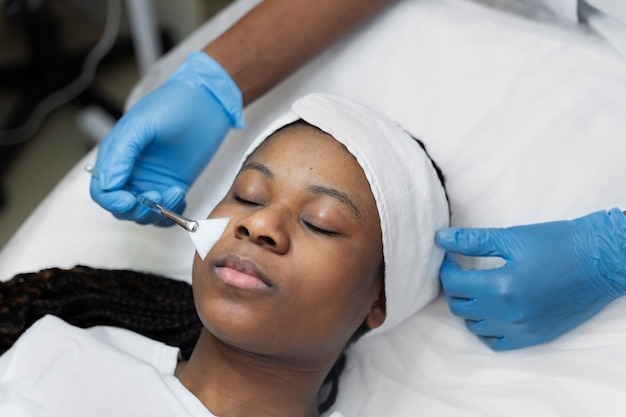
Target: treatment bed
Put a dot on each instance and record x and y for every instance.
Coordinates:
(526, 116)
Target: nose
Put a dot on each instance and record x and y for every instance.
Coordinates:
(266, 227)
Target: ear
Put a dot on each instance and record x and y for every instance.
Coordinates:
(378, 312)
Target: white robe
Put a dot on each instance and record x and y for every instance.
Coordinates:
(58, 370)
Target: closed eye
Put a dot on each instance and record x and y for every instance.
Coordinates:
(244, 202)
(319, 230)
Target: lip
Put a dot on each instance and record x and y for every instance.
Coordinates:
(241, 273)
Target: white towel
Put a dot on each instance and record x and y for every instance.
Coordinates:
(410, 198)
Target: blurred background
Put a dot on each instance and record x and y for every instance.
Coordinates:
(51, 111)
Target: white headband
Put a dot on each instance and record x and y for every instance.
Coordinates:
(409, 196)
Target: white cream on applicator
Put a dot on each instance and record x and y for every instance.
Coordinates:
(207, 234)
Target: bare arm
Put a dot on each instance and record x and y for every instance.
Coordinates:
(278, 36)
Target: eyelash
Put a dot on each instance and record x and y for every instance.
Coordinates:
(318, 229)
(310, 226)
(244, 201)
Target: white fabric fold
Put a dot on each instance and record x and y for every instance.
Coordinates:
(409, 195)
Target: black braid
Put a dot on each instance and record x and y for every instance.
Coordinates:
(157, 307)
(438, 170)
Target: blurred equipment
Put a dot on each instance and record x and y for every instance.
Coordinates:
(53, 76)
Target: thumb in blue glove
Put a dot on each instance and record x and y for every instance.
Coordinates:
(162, 144)
(556, 276)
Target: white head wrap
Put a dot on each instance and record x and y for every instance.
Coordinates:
(409, 196)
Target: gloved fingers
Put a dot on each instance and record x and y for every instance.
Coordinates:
(452, 277)
(141, 213)
(465, 284)
(495, 343)
(466, 309)
(449, 264)
(470, 241)
(119, 150)
(123, 204)
(173, 199)
(510, 342)
(117, 201)
(484, 329)
(497, 339)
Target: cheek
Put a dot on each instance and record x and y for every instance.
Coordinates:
(197, 280)
(196, 268)
(341, 287)
(220, 210)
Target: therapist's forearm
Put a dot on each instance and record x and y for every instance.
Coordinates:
(278, 36)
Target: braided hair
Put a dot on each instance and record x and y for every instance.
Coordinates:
(154, 306)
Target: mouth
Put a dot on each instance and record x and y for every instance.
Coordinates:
(241, 273)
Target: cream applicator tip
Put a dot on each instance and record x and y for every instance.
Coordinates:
(207, 234)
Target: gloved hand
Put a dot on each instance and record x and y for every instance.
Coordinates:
(556, 276)
(160, 146)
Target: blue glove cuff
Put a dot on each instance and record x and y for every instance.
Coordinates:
(200, 69)
(609, 233)
(617, 263)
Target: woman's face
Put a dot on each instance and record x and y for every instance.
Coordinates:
(297, 270)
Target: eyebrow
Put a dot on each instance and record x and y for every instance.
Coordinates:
(260, 168)
(315, 189)
(337, 195)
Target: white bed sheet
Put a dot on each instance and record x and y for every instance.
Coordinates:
(526, 117)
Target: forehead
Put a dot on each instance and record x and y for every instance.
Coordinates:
(302, 152)
(307, 147)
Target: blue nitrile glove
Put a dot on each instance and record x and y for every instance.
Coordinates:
(556, 276)
(160, 146)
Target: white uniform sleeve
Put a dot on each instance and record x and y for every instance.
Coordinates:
(606, 17)
(615, 9)
(567, 9)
